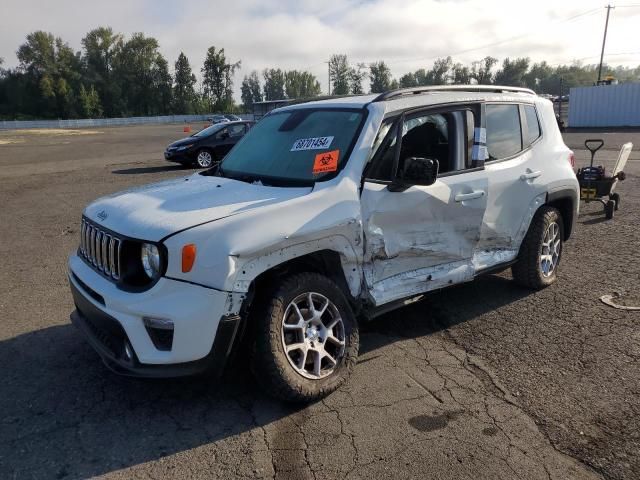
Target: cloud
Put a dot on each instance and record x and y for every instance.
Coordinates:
(302, 34)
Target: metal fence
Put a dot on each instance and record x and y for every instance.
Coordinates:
(605, 106)
(107, 122)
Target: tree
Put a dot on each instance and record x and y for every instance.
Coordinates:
(537, 78)
(301, 84)
(101, 45)
(357, 75)
(162, 86)
(274, 83)
(250, 90)
(408, 80)
(90, 102)
(439, 73)
(339, 74)
(183, 86)
(53, 72)
(380, 77)
(512, 72)
(139, 69)
(460, 74)
(481, 70)
(217, 79)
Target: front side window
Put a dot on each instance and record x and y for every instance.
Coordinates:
(446, 137)
(302, 145)
(504, 138)
(236, 130)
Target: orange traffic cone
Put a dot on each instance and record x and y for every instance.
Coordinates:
(186, 129)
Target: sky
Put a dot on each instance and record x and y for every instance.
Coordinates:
(302, 34)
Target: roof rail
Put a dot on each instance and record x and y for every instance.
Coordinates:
(450, 88)
(325, 97)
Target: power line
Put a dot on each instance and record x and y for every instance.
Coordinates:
(593, 56)
(493, 44)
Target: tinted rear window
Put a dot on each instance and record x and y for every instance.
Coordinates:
(503, 131)
(532, 130)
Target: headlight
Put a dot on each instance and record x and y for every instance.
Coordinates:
(150, 257)
(184, 147)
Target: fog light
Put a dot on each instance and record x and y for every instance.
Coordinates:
(159, 323)
(160, 331)
(128, 351)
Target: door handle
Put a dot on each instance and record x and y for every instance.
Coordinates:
(463, 197)
(530, 175)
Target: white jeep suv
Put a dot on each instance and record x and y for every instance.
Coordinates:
(325, 214)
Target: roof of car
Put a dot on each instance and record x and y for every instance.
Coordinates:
(419, 96)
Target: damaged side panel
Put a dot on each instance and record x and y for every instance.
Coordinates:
(422, 238)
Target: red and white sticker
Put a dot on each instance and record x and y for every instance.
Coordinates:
(326, 162)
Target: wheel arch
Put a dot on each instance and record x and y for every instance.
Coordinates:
(325, 262)
(566, 201)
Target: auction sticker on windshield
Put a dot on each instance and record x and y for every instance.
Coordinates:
(326, 162)
(315, 143)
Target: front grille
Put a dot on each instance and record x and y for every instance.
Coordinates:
(100, 249)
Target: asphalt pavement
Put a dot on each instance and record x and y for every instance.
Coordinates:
(482, 380)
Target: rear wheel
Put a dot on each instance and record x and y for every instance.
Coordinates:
(609, 208)
(306, 341)
(616, 198)
(205, 158)
(541, 250)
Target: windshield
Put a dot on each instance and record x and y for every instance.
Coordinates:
(301, 146)
(205, 132)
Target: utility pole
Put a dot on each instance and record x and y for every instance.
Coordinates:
(329, 77)
(604, 40)
(560, 100)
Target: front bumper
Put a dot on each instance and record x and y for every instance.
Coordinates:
(204, 326)
(183, 156)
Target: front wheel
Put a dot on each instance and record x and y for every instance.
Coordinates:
(541, 249)
(306, 341)
(205, 158)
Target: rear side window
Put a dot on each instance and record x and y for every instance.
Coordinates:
(504, 138)
(531, 131)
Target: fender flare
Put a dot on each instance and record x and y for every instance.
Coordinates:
(250, 269)
(567, 201)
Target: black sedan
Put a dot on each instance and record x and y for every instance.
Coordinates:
(208, 146)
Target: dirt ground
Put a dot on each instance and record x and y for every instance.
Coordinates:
(483, 380)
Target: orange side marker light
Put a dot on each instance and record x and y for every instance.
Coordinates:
(188, 257)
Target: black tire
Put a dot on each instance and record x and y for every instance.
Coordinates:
(609, 208)
(272, 367)
(197, 162)
(616, 198)
(527, 271)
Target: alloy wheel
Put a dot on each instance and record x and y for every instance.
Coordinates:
(313, 335)
(204, 159)
(551, 247)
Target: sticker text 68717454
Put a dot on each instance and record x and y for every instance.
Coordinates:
(315, 143)
(326, 162)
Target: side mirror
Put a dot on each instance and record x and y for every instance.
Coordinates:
(415, 171)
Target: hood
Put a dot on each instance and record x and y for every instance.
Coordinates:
(185, 141)
(154, 211)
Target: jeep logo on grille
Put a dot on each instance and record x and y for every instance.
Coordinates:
(102, 215)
